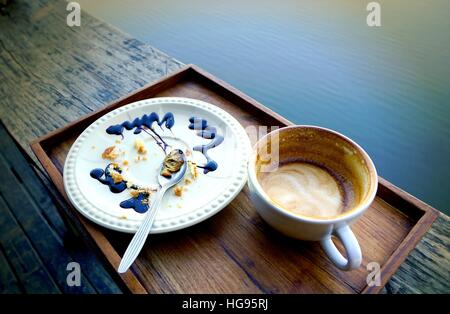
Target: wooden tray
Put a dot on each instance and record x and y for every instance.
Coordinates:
(235, 251)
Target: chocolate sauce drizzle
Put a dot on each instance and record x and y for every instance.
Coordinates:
(139, 203)
(145, 123)
(208, 132)
(104, 177)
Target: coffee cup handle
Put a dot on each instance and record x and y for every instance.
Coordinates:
(353, 251)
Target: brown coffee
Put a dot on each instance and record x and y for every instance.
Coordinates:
(313, 172)
(304, 189)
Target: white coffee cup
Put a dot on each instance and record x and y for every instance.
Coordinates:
(333, 152)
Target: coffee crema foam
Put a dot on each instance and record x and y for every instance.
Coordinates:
(304, 189)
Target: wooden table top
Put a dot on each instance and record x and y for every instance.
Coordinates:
(52, 74)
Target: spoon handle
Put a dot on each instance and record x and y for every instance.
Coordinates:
(141, 234)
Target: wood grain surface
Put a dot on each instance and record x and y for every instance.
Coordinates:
(36, 243)
(51, 74)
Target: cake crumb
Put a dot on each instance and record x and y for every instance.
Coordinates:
(134, 193)
(110, 153)
(187, 181)
(147, 191)
(123, 217)
(116, 176)
(178, 190)
(118, 141)
(125, 162)
(193, 169)
(179, 206)
(140, 147)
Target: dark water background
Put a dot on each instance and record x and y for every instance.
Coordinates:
(317, 62)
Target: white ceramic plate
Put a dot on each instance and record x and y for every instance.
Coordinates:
(202, 198)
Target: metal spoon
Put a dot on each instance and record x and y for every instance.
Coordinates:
(141, 235)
